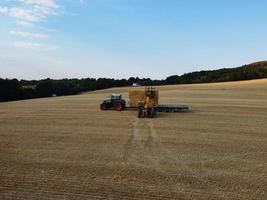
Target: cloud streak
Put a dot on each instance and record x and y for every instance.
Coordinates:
(43, 3)
(31, 11)
(28, 13)
(28, 34)
(3, 9)
(33, 46)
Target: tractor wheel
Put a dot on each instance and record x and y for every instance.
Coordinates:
(118, 107)
(103, 107)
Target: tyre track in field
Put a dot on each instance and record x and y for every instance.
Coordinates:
(138, 151)
(186, 171)
(133, 148)
(190, 173)
(151, 153)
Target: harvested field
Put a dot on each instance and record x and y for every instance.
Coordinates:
(66, 148)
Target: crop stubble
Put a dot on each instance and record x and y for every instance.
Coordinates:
(65, 147)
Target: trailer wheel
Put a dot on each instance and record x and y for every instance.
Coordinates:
(152, 113)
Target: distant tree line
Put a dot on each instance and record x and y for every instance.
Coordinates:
(13, 89)
(247, 72)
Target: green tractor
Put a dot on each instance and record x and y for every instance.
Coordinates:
(115, 103)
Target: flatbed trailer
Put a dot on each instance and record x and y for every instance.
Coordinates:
(165, 108)
(172, 108)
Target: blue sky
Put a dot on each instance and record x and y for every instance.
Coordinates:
(123, 38)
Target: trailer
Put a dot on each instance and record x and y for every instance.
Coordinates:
(172, 108)
(164, 108)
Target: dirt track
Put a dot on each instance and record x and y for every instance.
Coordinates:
(65, 147)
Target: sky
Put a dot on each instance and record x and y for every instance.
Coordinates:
(125, 38)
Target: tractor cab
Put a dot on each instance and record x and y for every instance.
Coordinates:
(115, 102)
(116, 97)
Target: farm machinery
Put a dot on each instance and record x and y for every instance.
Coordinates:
(147, 106)
(115, 102)
(145, 102)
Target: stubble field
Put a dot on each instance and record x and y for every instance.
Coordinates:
(66, 148)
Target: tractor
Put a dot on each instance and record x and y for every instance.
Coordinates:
(115, 102)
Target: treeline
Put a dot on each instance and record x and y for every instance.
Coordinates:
(17, 90)
(246, 72)
(24, 89)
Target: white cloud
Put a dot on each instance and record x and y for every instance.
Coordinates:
(28, 34)
(23, 23)
(25, 14)
(3, 10)
(43, 3)
(33, 46)
(31, 11)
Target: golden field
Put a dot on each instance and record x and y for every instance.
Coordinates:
(66, 148)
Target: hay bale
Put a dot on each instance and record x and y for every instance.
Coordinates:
(135, 96)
